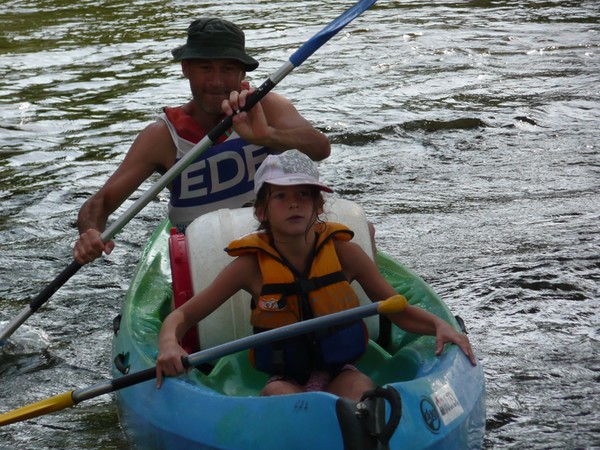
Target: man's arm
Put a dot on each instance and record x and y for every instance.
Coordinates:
(275, 123)
(151, 151)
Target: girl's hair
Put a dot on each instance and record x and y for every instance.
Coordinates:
(264, 195)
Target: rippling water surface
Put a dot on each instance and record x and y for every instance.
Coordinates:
(467, 130)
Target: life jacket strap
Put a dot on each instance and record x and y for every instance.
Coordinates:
(303, 285)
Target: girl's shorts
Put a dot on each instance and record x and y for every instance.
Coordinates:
(317, 381)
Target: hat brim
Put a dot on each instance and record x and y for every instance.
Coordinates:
(187, 52)
(295, 180)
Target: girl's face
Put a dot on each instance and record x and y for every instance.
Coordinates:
(290, 210)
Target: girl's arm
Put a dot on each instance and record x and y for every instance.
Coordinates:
(358, 266)
(239, 274)
(416, 320)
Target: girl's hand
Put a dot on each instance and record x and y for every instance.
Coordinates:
(169, 362)
(445, 333)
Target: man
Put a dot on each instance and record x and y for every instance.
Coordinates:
(215, 62)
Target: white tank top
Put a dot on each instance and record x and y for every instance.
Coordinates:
(221, 177)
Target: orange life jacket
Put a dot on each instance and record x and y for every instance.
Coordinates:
(289, 296)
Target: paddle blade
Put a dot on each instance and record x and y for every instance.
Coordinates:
(47, 406)
(314, 43)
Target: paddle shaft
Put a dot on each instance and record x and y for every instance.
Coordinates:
(39, 300)
(393, 304)
(228, 348)
(299, 56)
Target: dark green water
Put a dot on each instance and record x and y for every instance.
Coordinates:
(467, 130)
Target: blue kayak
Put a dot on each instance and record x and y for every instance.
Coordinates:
(422, 402)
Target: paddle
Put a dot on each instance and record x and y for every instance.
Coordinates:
(299, 56)
(394, 304)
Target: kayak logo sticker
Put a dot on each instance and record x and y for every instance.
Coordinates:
(430, 415)
(447, 404)
(443, 406)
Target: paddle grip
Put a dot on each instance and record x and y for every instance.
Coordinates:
(39, 300)
(133, 378)
(113, 385)
(252, 100)
(49, 290)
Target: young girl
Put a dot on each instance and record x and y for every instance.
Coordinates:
(295, 268)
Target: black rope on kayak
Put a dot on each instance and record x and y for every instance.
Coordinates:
(461, 324)
(117, 324)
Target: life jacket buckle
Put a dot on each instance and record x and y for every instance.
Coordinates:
(307, 285)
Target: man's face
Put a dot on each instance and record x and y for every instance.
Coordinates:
(211, 81)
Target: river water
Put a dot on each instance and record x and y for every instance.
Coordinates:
(467, 130)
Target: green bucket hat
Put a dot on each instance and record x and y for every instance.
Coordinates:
(212, 38)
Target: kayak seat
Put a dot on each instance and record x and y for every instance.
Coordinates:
(206, 238)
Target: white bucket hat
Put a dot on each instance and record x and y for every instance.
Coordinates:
(288, 169)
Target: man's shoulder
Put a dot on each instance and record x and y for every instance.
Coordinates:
(156, 145)
(156, 130)
(273, 98)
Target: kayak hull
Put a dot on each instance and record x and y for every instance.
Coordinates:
(442, 398)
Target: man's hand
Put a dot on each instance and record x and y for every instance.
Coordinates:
(90, 246)
(250, 125)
